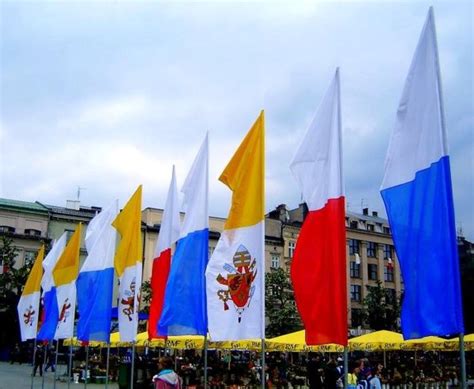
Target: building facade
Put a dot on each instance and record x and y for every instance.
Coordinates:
(370, 254)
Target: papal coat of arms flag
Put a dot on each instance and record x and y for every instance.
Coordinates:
(95, 282)
(65, 274)
(318, 269)
(128, 265)
(169, 234)
(28, 306)
(49, 302)
(235, 273)
(184, 306)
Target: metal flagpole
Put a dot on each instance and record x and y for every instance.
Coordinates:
(86, 370)
(34, 355)
(69, 367)
(346, 365)
(133, 366)
(42, 367)
(107, 366)
(463, 361)
(445, 152)
(263, 363)
(56, 363)
(205, 362)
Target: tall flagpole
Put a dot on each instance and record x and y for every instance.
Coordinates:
(205, 362)
(42, 367)
(463, 361)
(86, 370)
(107, 366)
(69, 366)
(55, 363)
(133, 365)
(445, 150)
(34, 356)
(346, 365)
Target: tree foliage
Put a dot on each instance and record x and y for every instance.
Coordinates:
(381, 309)
(280, 305)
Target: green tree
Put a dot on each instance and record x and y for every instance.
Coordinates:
(145, 297)
(381, 309)
(12, 282)
(280, 305)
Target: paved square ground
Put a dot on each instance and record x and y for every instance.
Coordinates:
(19, 377)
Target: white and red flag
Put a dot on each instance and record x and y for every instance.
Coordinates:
(318, 270)
(169, 234)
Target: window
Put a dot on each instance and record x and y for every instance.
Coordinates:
(388, 274)
(386, 230)
(29, 256)
(371, 249)
(357, 317)
(391, 295)
(355, 292)
(7, 229)
(370, 227)
(32, 232)
(354, 224)
(68, 234)
(291, 249)
(353, 246)
(211, 251)
(387, 251)
(372, 271)
(355, 270)
(275, 261)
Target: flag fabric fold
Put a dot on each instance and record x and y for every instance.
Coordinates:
(318, 268)
(169, 234)
(65, 274)
(184, 307)
(128, 265)
(95, 283)
(49, 302)
(417, 193)
(235, 274)
(28, 306)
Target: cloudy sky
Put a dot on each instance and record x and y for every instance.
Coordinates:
(109, 95)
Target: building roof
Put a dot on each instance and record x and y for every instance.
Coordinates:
(82, 212)
(23, 205)
(360, 216)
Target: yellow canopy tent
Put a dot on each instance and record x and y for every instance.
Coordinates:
(427, 343)
(453, 344)
(377, 341)
(295, 341)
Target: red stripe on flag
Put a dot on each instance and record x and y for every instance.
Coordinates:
(318, 274)
(159, 277)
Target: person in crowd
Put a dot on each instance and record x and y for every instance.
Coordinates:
(39, 355)
(352, 378)
(314, 371)
(373, 380)
(331, 375)
(166, 378)
(49, 360)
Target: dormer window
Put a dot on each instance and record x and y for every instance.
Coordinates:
(7, 229)
(32, 232)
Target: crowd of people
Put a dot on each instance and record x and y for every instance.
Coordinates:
(160, 369)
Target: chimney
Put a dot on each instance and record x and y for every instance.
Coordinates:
(365, 211)
(375, 214)
(73, 204)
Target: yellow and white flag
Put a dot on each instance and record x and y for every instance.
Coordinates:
(235, 275)
(65, 275)
(128, 265)
(28, 306)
